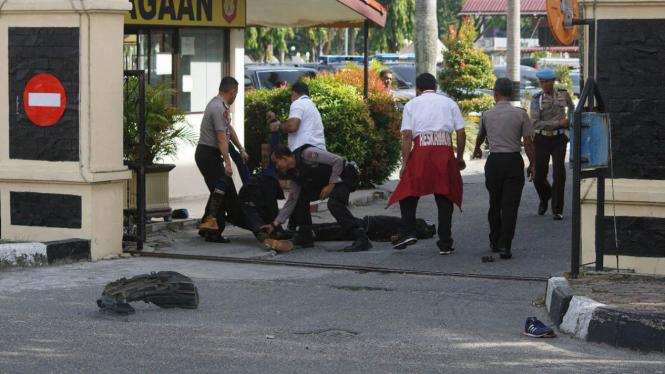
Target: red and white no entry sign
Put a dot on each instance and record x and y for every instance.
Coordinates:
(44, 99)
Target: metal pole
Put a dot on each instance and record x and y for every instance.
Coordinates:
(140, 199)
(577, 166)
(346, 42)
(366, 59)
(600, 222)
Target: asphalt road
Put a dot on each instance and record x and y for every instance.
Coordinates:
(268, 319)
(541, 245)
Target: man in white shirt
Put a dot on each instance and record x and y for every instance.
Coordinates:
(304, 125)
(431, 167)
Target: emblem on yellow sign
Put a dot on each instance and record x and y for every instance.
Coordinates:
(229, 10)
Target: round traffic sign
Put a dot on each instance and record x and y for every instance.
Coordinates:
(44, 99)
(556, 14)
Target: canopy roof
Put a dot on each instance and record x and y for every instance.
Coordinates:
(314, 13)
(499, 7)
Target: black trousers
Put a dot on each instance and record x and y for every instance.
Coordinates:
(338, 205)
(555, 147)
(504, 179)
(211, 165)
(408, 207)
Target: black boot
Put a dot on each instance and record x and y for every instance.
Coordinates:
(361, 243)
(216, 237)
(505, 254)
(304, 238)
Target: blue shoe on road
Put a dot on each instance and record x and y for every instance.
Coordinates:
(536, 329)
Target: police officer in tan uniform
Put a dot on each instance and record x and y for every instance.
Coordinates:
(548, 114)
(505, 126)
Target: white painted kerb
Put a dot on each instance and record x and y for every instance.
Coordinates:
(552, 284)
(577, 319)
(10, 252)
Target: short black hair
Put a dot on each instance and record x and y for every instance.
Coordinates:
(384, 72)
(426, 82)
(281, 151)
(228, 84)
(504, 87)
(300, 88)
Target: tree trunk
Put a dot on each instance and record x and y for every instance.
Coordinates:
(513, 52)
(282, 56)
(426, 35)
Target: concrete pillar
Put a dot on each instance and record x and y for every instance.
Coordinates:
(426, 35)
(61, 170)
(513, 53)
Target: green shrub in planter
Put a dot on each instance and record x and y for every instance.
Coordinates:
(348, 126)
(366, 132)
(386, 149)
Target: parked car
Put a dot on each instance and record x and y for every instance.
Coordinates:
(529, 82)
(575, 77)
(528, 61)
(554, 62)
(266, 76)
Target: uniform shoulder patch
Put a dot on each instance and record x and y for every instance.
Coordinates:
(226, 114)
(536, 95)
(534, 105)
(312, 154)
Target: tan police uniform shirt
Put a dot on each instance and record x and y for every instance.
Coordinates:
(505, 126)
(217, 117)
(311, 156)
(547, 111)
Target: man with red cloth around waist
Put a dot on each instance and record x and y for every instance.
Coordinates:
(430, 167)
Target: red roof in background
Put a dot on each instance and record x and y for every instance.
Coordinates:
(480, 7)
(551, 49)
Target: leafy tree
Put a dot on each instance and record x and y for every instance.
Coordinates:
(263, 42)
(466, 68)
(399, 26)
(447, 13)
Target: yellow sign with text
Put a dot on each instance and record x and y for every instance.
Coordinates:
(210, 13)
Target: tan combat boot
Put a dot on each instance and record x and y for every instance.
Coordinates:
(278, 245)
(210, 224)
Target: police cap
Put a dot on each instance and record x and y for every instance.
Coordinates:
(545, 74)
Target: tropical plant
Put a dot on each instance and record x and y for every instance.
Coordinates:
(364, 131)
(166, 127)
(563, 80)
(466, 68)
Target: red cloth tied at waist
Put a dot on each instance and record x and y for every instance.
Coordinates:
(432, 169)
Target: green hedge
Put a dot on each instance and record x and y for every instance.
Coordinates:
(366, 132)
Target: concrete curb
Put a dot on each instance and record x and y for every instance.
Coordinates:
(38, 254)
(592, 321)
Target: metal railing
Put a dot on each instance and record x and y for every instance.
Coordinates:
(134, 116)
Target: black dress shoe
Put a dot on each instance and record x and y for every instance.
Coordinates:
(542, 208)
(361, 243)
(558, 217)
(216, 237)
(494, 248)
(304, 238)
(505, 253)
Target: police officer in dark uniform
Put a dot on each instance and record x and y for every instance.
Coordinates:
(505, 126)
(548, 115)
(317, 174)
(213, 160)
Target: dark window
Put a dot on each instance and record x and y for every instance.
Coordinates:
(272, 79)
(407, 73)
